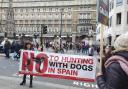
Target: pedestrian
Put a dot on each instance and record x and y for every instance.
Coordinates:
(115, 75)
(28, 46)
(86, 48)
(107, 53)
(7, 47)
(91, 51)
(16, 49)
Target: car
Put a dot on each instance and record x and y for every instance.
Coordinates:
(2, 45)
(1, 48)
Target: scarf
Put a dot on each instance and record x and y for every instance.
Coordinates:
(122, 61)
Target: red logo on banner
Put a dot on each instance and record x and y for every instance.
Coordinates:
(41, 58)
(29, 59)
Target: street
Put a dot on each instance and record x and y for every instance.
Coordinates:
(64, 44)
(9, 74)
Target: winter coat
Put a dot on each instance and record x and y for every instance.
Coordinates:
(7, 45)
(116, 72)
(91, 51)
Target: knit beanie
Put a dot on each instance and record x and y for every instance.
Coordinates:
(121, 43)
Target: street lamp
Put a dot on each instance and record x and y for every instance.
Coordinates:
(61, 11)
(43, 31)
(41, 39)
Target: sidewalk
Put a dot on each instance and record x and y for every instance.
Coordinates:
(13, 83)
(2, 55)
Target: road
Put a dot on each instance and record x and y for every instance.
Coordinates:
(9, 70)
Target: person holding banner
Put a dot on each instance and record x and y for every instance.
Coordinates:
(28, 46)
(116, 66)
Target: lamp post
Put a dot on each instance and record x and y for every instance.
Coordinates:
(41, 39)
(61, 11)
(43, 31)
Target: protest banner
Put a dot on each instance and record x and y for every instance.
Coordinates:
(55, 65)
(103, 11)
(103, 18)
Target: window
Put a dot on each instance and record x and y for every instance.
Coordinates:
(50, 9)
(88, 8)
(21, 10)
(118, 19)
(111, 5)
(26, 10)
(15, 10)
(32, 9)
(26, 21)
(38, 9)
(119, 2)
(56, 9)
(69, 8)
(44, 9)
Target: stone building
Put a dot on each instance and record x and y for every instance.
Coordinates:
(65, 17)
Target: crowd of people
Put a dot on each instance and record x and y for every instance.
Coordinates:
(15, 46)
(78, 48)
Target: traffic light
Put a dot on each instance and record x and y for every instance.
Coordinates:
(45, 30)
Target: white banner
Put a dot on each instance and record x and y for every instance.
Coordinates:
(74, 67)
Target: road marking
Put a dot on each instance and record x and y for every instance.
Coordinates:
(88, 85)
(21, 75)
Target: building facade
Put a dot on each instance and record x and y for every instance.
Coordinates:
(118, 21)
(72, 17)
(118, 18)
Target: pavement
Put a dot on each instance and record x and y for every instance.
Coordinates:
(13, 83)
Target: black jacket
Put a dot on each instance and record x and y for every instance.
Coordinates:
(114, 77)
(7, 45)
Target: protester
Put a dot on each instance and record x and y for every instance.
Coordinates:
(28, 46)
(91, 51)
(7, 47)
(86, 48)
(16, 48)
(107, 53)
(116, 67)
